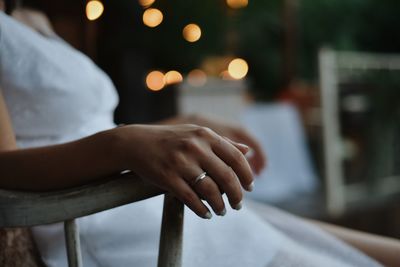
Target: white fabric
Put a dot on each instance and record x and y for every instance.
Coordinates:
(289, 171)
(56, 94)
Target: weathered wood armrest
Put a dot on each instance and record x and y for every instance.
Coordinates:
(20, 209)
(25, 209)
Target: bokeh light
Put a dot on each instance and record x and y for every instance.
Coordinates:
(225, 75)
(173, 77)
(197, 78)
(94, 9)
(238, 68)
(155, 80)
(146, 3)
(152, 17)
(237, 3)
(191, 32)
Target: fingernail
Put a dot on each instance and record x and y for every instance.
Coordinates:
(208, 215)
(222, 213)
(243, 145)
(250, 187)
(238, 206)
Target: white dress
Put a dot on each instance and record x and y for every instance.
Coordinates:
(55, 94)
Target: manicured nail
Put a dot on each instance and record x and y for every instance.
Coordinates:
(208, 215)
(250, 187)
(238, 206)
(222, 213)
(243, 145)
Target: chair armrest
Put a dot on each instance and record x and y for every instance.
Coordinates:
(24, 209)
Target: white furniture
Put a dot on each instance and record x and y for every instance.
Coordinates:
(336, 68)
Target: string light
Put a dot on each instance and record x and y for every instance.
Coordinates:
(191, 32)
(173, 77)
(238, 68)
(155, 80)
(146, 3)
(152, 17)
(197, 78)
(237, 3)
(94, 9)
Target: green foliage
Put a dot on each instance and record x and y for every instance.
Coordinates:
(363, 25)
(256, 31)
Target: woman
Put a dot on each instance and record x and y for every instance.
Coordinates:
(56, 100)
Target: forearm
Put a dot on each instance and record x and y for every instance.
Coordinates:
(383, 249)
(59, 166)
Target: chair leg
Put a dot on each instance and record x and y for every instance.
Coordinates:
(170, 251)
(73, 243)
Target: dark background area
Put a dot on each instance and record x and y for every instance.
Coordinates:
(280, 40)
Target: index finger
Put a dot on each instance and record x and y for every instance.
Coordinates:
(259, 159)
(234, 159)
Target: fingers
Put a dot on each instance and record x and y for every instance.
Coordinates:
(225, 178)
(186, 194)
(209, 191)
(242, 147)
(234, 159)
(206, 188)
(258, 159)
(224, 162)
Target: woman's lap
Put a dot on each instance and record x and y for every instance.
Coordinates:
(129, 236)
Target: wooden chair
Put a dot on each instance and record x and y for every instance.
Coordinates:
(26, 209)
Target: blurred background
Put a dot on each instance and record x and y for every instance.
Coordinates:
(316, 81)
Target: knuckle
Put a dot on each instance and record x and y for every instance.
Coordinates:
(189, 144)
(203, 132)
(177, 159)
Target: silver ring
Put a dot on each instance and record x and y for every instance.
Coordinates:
(200, 177)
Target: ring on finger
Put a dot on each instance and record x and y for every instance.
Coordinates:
(200, 177)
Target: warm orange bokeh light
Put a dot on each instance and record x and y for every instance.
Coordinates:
(152, 17)
(197, 78)
(172, 77)
(94, 9)
(237, 3)
(238, 68)
(146, 3)
(155, 80)
(191, 32)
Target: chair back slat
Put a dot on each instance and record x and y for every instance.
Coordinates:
(171, 239)
(73, 243)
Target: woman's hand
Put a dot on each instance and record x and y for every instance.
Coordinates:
(257, 158)
(173, 156)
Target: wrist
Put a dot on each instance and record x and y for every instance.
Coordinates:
(113, 148)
